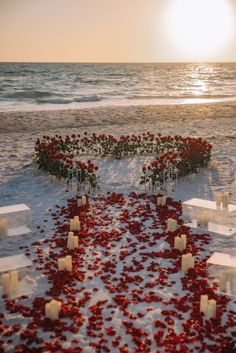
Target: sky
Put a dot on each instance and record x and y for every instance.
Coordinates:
(117, 30)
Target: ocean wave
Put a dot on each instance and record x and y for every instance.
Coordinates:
(85, 99)
(186, 96)
(28, 94)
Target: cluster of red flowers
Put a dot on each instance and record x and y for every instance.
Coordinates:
(126, 293)
(185, 154)
(52, 155)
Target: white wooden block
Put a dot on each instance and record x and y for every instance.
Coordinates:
(15, 262)
(17, 215)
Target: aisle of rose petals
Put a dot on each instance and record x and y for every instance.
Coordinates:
(126, 292)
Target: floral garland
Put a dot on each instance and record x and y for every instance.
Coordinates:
(185, 155)
(126, 292)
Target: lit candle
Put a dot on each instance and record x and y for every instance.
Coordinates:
(4, 227)
(6, 283)
(68, 262)
(171, 225)
(184, 241)
(228, 287)
(203, 303)
(52, 309)
(163, 200)
(211, 309)
(84, 200)
(225, 200)
(14, 282)
(79, 202)
(61, 264)
(178, 244)
(159, 200)
(218, 200)
(76, 242)
(70, 239)
(72, 224)
(187, 262)
(233, 287)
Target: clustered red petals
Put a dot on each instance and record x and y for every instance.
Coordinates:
(125, 293)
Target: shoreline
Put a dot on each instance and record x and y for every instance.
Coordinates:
(44, 120)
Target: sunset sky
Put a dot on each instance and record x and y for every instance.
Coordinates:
(117, 30)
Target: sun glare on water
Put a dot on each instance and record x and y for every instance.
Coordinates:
(199, 29)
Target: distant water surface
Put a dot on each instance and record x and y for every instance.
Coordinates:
(40, 86)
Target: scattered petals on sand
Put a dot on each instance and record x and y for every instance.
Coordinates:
(126, 292)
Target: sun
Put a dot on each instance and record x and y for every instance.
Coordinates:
(199, 29)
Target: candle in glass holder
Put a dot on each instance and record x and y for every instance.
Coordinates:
(4, 227)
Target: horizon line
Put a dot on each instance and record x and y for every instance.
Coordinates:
(117, 62)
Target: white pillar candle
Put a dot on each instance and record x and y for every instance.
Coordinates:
(203, 303)
(70, 239)
(183, 238)
(225, 200)
(211, 309)
(76, 242)
(61, 264)
(4, 227)
(52, 309)
(48, 310)
(171, 225)
(14, 282)
(179, 244)
(84, 200)
(233, 286)
(77, 225)
(163, 200)
(228, 287)
(72, 224)
(222, 282)
(184, 263)
(159, 200)
(218, 200)
(6, 283)
(187, 262)
(79, 202)
(190, 260)
(69, 262)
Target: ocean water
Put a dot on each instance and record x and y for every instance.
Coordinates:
(40, 86)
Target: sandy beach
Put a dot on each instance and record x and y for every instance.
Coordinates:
(20, 182)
